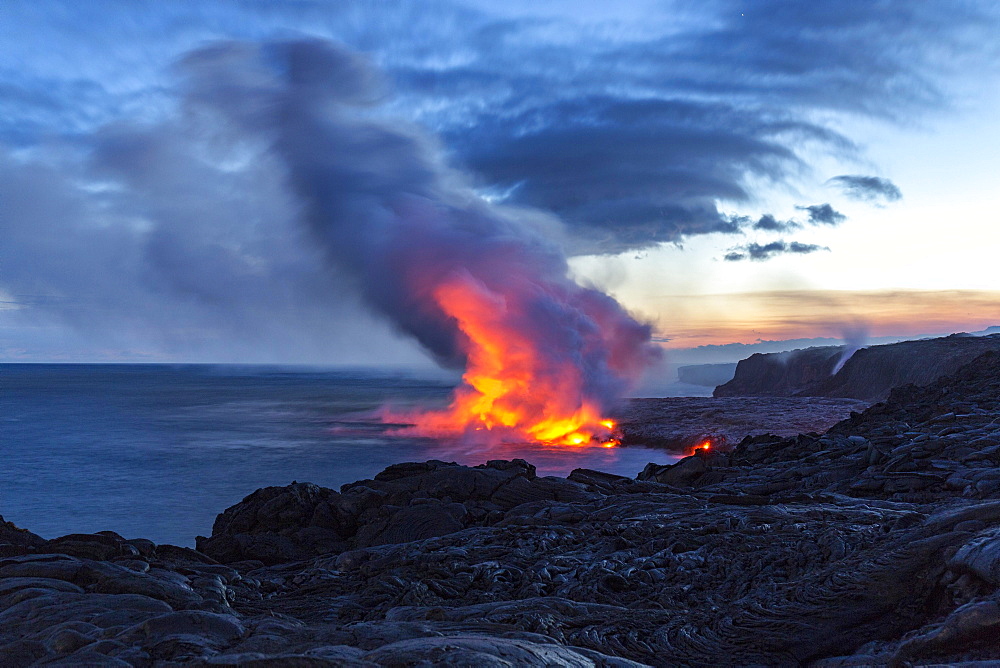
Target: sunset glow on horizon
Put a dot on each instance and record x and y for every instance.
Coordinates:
(747, 317)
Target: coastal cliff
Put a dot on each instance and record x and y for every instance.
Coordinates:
(868, 375)
(781, 374)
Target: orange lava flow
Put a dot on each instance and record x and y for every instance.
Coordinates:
(512, 390)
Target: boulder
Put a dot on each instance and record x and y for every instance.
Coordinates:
(405, 502)
(682, 474)
(15, 540)
(100, 546)
(402, 525)
(279, 524)
(980, 556)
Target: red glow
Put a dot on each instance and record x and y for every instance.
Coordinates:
(513, 388)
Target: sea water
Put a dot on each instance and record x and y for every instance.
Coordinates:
(157, 451)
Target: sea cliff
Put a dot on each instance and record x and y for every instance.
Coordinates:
(867, 374)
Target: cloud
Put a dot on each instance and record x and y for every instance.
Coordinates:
(760, 252)
(823, 214)
(630, 172)
(768, 223)
(632, 125)
(867, 188)
(696, 117)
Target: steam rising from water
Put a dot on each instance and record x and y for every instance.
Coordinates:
(855, 338)
(478, 286)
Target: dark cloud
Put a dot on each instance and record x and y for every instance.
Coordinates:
(637, 171)
(632, 126)
(796, 247)
(768, 223)
(823, 214)
(867, 188)
(705, 112)
(852, 56)
(761, 252)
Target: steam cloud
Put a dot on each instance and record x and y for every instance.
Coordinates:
(855, 337)
(403, 227)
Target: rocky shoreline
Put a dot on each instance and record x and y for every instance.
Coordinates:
(678, 424)
(875, 543)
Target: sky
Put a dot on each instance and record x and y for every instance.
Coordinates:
(730, 171)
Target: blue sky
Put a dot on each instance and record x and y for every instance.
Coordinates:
(728, 170)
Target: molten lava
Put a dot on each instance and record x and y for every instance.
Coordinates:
(704, 447)
(514, 389)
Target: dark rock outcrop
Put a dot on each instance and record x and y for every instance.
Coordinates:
(280, 524)
(14, 540)
(781, 374)
(868, 375)
(405, 502)
(872, 372)
(874, 543)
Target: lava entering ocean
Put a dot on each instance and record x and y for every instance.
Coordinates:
(514, 388)
(703, 447)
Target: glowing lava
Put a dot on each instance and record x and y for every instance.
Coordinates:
(514, 387)
(704, 447)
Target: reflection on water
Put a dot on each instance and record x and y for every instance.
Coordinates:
(158, 450)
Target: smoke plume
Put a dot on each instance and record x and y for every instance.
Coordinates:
(478, 286)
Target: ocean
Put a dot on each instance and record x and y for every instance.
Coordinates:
(157, 451)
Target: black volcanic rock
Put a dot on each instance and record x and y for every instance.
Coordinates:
(680, 424)
(15, 541)
(874, 543)
(868, 375)
(872, 372)
(280, 524)
(405, 502)
(100, 546)
(781, 374)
